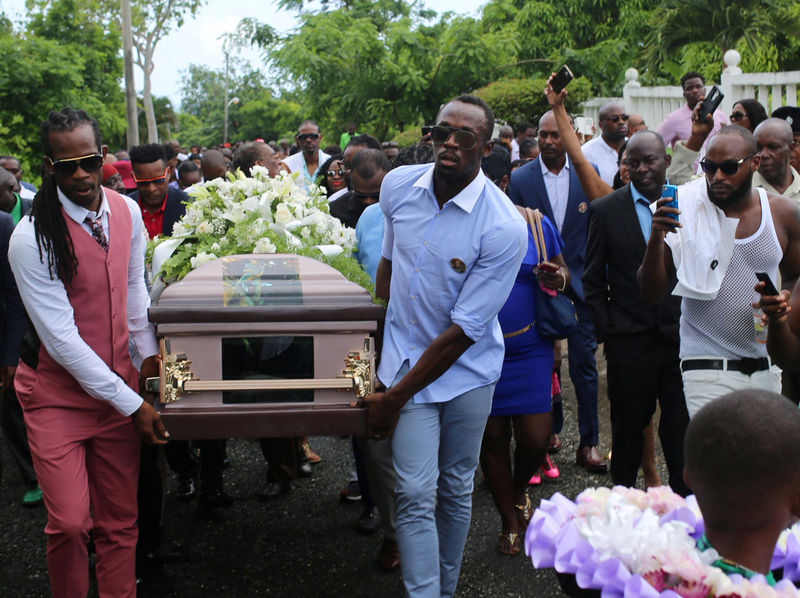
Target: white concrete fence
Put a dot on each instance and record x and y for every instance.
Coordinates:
(654, 103)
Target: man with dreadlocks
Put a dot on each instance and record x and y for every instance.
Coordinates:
(79, 264)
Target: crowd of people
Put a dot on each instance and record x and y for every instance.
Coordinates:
(462, 233)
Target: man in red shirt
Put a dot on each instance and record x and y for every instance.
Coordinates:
(162, 206)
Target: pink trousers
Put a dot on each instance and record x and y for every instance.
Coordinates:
(87, 464)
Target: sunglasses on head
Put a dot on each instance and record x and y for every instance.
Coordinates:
(616, 117)
(465, 140)
(727, 167)
(67, 166)
(304, 136)
(339, 172)
(159, 180)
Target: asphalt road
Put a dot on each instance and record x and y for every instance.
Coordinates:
(304, 544)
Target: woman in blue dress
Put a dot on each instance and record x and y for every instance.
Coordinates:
(522, 396)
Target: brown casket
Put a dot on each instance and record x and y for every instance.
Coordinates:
(264, 345)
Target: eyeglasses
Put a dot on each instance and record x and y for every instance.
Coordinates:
(616, 117)
(339, 172)
(159, 180)
(737, 116)
(68, 166)
(362, 197)
(304, 136)
(727, 167)
(465, 140)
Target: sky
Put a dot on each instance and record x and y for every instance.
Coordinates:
(197, 40)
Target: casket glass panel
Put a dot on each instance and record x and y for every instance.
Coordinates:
(268, 358)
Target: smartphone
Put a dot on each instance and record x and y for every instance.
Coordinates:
(561, 79)
(769, 289)
(548, 267)
(671, 192)
(711, 103)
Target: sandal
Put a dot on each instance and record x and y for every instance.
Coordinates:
(509, 544)
(309, 453)
(525, 512)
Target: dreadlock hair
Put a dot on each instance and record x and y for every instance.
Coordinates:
(52, 235)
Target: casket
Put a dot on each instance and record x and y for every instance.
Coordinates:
(264, 345)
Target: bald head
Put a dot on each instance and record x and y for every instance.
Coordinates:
(775, 141)
(610, 109)
(725, 444)
(213, 165)
(776, 127)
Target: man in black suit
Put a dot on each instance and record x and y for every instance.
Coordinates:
(550, 184)
(12, 325)
(641, 340)
(162, 206)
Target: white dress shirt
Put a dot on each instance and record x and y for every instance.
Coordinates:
(557, 186)
(602, 155)
(49, 309)
(514, 150)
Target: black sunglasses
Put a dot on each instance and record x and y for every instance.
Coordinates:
(339, 172)
(67, 166)
(737, 116)
(365, 196)
(727, 167)
(466, 140)
(616, 117)
(304, 136)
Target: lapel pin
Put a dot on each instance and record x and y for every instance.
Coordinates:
(458, 265)
(582, 207)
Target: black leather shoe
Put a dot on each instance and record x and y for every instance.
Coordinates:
(273, 490)
(187, 489)
(367, 524)
(215, 498)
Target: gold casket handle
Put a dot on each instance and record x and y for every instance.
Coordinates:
(176, 379)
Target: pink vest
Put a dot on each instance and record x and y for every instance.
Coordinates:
(98, 294)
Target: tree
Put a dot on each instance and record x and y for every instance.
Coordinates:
(516, 100)
(152, 20)
(696, 33)
(381, 64)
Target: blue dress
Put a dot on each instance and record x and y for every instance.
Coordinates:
(524, 385)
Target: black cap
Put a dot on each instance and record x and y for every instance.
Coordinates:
(791, 114)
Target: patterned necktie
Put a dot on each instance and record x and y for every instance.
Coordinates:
(98, 233)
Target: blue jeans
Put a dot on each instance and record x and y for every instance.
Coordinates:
(436, 448)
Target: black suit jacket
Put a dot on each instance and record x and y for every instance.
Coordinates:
(614, 251)
(12, 313)
(527, 189)
(173, 210)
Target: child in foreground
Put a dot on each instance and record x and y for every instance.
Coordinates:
(742, 461)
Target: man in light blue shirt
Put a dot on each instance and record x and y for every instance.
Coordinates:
(452, 248)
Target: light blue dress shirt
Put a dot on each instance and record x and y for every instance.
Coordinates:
(450, 266)
(643, 213)
(369, 239)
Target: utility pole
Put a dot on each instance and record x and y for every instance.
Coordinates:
(130, 88)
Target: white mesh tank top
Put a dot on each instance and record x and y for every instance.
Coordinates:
(724, 327)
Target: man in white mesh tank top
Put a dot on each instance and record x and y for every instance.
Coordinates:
(727, 232)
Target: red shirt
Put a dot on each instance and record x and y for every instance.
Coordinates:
(153, 221)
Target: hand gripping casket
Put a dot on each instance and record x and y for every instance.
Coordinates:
(264, 345)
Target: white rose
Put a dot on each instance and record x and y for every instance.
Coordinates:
(205, 228)
(215, 247)
(283, 215)
(264, 245)
(202, 258)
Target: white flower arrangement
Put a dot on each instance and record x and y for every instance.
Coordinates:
(632, 544)
(258, 214)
